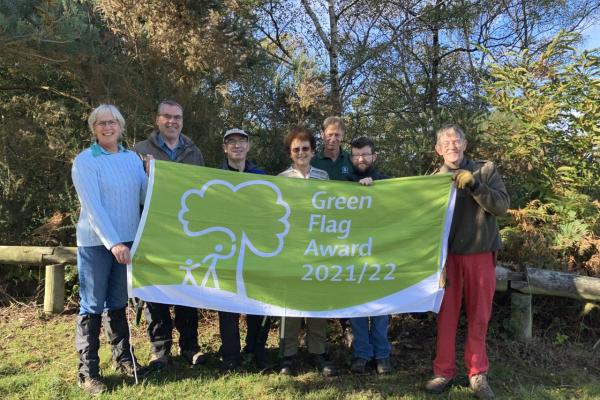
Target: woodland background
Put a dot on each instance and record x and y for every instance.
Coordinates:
(508, 71)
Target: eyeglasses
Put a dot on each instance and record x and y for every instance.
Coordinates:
(447, 143)
(357, 156)
(104, 124)
(173, 117)
(233, 142)
(304, 149)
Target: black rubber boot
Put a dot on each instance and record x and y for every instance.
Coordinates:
(160, 330)
(117, 332)
(87, 343)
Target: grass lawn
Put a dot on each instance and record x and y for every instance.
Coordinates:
(38, 361)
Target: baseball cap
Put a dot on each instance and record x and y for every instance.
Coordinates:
(234, 131)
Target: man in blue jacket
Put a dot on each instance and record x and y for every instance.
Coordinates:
(236, 144)
(370, 341)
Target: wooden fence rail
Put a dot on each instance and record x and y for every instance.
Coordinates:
(545, 282)
(522, 284)
(54, 259)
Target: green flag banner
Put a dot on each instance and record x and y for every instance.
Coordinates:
(271, 245)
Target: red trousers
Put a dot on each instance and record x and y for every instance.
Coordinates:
(471, 278)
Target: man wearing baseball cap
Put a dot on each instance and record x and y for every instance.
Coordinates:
(236, 144)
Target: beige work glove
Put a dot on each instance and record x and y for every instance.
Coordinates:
(463, 179)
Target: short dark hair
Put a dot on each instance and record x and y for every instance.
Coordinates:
(362, 141)
(168, 102)
(300, 133)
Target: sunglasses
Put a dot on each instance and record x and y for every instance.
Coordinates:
(297, 150)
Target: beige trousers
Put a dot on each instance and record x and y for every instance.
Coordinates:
(316, 335)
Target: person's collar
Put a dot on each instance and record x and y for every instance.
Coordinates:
(98, 150)
(339, 154)
(231, 168)
(300, 172)
(462, 165)
(321, 155)
(161, 141)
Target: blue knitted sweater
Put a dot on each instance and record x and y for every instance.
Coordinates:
(110, 187)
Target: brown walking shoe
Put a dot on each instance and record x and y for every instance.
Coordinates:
(322, 363)
(383, 366)
(359, 365)
(158, 363)
(288, 366)
(481, 388)
(437, 384)
(194, 357)
(92, 386)
(128, 369)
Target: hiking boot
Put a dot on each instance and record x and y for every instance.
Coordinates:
(437, 384)
(383, 366)
(92, 386)
(158, 363)
(480, 386)
(287, 366)
(194, 357)
(229, 366)
(323, 365)
(359, 365)
(128, 369)
(262, 361)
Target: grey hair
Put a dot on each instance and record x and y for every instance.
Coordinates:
(450, 128)
(106, 109)
(333, 120)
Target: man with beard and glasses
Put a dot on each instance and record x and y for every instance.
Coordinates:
(370, 340)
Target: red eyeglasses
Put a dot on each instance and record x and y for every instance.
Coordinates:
(297, 150)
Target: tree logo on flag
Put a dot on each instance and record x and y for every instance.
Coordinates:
(240, 224)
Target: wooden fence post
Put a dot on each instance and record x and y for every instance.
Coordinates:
(54, 291)
(520, 316)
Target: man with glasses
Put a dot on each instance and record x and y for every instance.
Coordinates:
(236, 144)
(167, 143)
(368, 342)
(470, 268)
(363, 157)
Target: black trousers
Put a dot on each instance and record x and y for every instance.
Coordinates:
(160, 328)
(256, 335)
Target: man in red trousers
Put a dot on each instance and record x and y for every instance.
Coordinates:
(470, 267)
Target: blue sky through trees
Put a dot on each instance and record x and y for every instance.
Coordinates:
(591, 37)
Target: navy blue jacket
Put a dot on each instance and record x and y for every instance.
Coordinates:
(356, 176)
(250, 167)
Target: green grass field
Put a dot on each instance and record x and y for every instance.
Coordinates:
(38, 361)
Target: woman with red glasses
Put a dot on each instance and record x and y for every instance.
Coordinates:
(301, 145)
